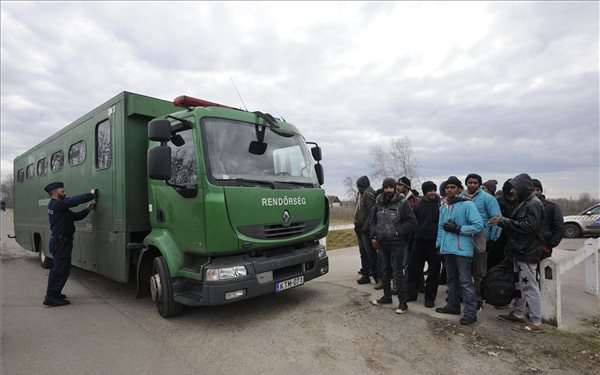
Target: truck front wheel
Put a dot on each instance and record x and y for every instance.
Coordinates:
(161, 289)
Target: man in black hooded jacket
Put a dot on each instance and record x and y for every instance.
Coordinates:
(524, 249)
(368, 255)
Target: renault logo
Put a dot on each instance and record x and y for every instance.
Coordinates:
(286, 217)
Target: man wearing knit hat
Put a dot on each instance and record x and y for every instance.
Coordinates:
(459, 222)
(403, 187)
(488, 207)
(61, 242)
(390, 223)
(554, 225)
(427, 212)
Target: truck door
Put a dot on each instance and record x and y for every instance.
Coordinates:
(180, 209)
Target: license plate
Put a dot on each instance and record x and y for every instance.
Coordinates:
(287, 284)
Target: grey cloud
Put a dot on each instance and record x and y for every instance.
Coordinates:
(529, 95)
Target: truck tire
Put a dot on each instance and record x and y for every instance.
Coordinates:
(161, 289)
(572, 230)
(45, 262)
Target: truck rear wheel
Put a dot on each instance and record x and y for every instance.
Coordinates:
(161, 289)
(45, 262)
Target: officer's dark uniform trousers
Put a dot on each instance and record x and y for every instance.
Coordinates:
(61, 242)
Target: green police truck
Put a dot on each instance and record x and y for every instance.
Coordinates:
(199, 203)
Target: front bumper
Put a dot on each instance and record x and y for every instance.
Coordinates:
(285, 266)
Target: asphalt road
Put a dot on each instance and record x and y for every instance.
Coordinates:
(326, 326)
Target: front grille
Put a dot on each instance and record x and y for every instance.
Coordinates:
(275, 231)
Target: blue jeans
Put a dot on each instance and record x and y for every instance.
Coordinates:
(460, 282)
(368, 255)
(393, 262)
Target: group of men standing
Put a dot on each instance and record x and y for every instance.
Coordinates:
(468, 230)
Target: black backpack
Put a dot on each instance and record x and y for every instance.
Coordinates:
(498, 285)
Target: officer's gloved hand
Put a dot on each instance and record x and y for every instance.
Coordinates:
(451, 227)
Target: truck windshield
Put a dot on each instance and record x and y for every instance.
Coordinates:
(226, 148)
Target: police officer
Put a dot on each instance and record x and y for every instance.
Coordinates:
(61, 242)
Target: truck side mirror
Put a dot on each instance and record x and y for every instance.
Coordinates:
(159, 130)
(316, 153)
(159, 163)
(320, 174)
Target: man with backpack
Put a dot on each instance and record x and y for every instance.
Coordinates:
(459, 222)
(524, 228)
(391, 222)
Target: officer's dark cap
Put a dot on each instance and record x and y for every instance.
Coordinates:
(53, 186)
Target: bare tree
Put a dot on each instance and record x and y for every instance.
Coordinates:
(380, 166)
(397, 162)
(7, 189)
(351, 188)
(402, 158)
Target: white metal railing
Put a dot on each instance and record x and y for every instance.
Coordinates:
(551, 271)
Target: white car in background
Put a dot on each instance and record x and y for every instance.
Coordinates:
(587, 222)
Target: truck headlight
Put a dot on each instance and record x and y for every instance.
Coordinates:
(227, 273)
(322, 253)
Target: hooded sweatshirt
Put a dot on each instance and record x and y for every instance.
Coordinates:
(366, 200)
(525, 224)
(427, 213)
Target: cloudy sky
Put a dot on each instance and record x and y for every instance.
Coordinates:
(495, 88)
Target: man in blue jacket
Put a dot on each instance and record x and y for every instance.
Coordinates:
(61, 243)
(458, 224)
(488, 207)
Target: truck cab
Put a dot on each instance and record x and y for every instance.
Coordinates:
(235, 205)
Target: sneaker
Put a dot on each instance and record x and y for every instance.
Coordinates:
(54, 301)
(529, 328)
(511, 317)
(402, 308)
(378, 285)
(479, 306)
(467, 320)
(447, 310)
(364, 280)
(382, 301)
(429, 304)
